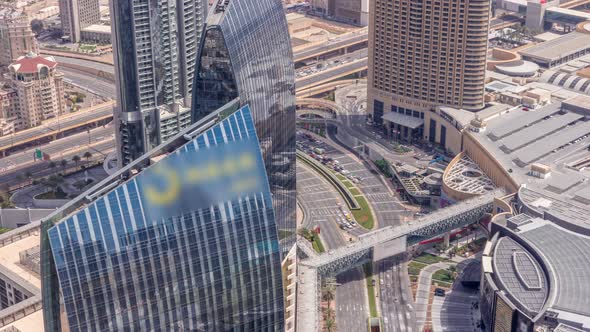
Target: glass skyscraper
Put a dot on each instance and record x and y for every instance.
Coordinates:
(246, 52)
(155, 44)
(187, 244)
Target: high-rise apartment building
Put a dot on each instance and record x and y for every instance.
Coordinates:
(37, 90)
(155, 45)
(424, 54)
(76, 15)
(16, 36)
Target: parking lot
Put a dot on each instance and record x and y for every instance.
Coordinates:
(386, 206)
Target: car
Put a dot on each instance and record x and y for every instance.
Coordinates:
(439, 292)
(353, 223)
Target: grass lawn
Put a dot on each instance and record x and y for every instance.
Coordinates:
(347, 184)
(414, 268)
(428, 259)
(4, 230)
(439, 283)
(370, 289)
(355, 192)
(363, 216)
(317, 245)
(340, 176)
(86, 47)
(444, 276)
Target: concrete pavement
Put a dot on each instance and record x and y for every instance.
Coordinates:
(423, 293)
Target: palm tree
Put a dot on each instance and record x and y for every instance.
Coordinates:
(328, 294)
(52, 164)
(63, 163)
(28, 175)
(76, 159)
(330, 325)
(87, 155)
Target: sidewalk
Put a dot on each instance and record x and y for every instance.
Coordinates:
(423, 292)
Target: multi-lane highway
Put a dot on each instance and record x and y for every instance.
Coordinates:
(332, 45)
(93, 83)
(352, 309)
(319, 201)
(397, 306)
(60, 124)
(332, 73)
(99, 141)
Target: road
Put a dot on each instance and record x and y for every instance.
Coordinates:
(101, 142)
(319, 201)
(331, 73)
(397, 305)
(57, 124)
(333, 44)
(85, 63)
(352, 309)
(94, 84)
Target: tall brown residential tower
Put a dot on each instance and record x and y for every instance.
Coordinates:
(424, 54)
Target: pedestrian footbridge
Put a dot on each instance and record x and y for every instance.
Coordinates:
(382, 243)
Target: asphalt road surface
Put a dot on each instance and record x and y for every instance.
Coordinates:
(386, 206)
(94, 84)
(55, 125)
(101, 140)
(397, 306)
(352, 309)
(331, 45)
(319, 201)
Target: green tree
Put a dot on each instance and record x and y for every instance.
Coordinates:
(305, 233)
(37, 26)
(54, 182)
(52, 164)
(328, 293)
(63, 163)
(76, 159)
(87, 155)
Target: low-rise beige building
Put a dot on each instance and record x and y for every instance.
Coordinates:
(39, 90)
(16, 36)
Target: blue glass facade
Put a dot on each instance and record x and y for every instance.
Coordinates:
(190, 243)
(246, 52)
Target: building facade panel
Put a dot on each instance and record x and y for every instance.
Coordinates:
(190, 243)
(245, 52)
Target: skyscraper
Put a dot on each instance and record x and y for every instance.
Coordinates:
(246, 52)
(187, 244)
(76, 15)
(427, 53)
(155, 45)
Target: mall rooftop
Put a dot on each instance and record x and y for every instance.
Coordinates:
(546, 149)
(541, 269)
